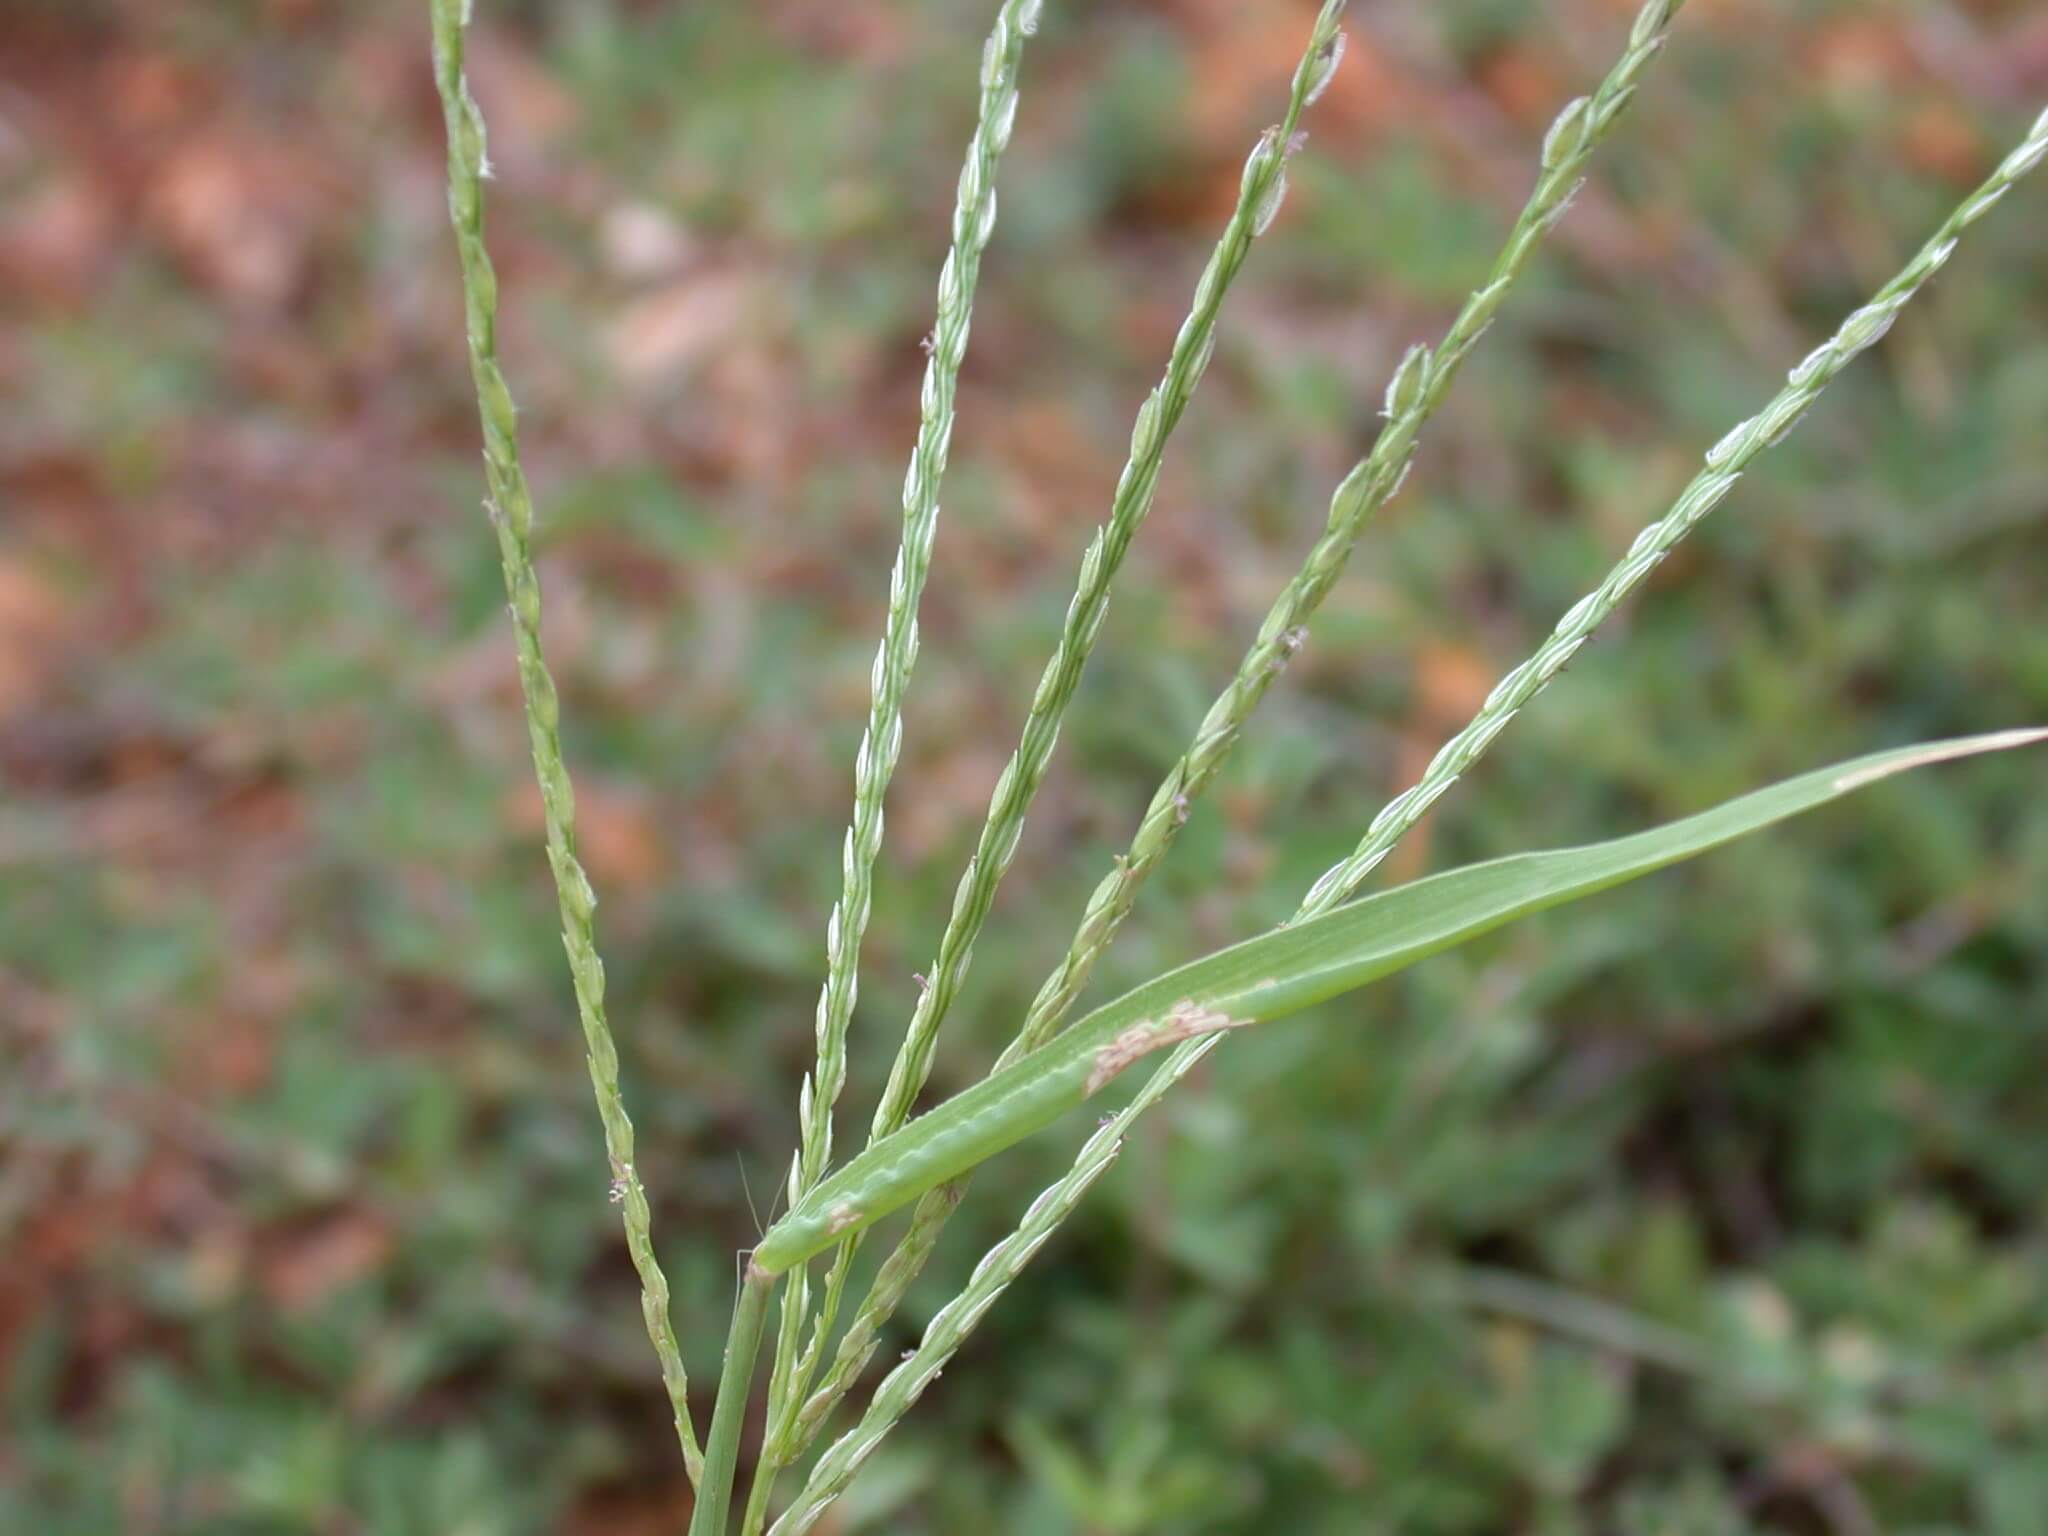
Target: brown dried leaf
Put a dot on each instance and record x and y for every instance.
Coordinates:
(678, 324)
(227, 207)
(33, 614)
(1938, 138)
(312, 1265)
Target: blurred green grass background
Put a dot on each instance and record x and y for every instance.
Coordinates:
(1714, 1208)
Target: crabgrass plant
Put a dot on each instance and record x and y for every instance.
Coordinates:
(1335, 943)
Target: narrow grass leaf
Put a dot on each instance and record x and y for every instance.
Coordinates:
(1002, 1264)
(1282, 972)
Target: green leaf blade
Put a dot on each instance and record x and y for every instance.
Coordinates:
(1283, 972)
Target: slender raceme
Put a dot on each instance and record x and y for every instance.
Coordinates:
(511, 511)
(974, 218)
(1260, 190)
(1724, 462)
(1261, 187)
(1417, 388)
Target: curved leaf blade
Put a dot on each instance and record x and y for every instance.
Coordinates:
(1283, 972)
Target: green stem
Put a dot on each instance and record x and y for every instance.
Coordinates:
(766, 1469)
(721, 1451)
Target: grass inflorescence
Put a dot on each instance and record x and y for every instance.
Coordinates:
(974, 220)
(1260, 189)
(511, 512)
(826, 1204)
(1419, 385)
